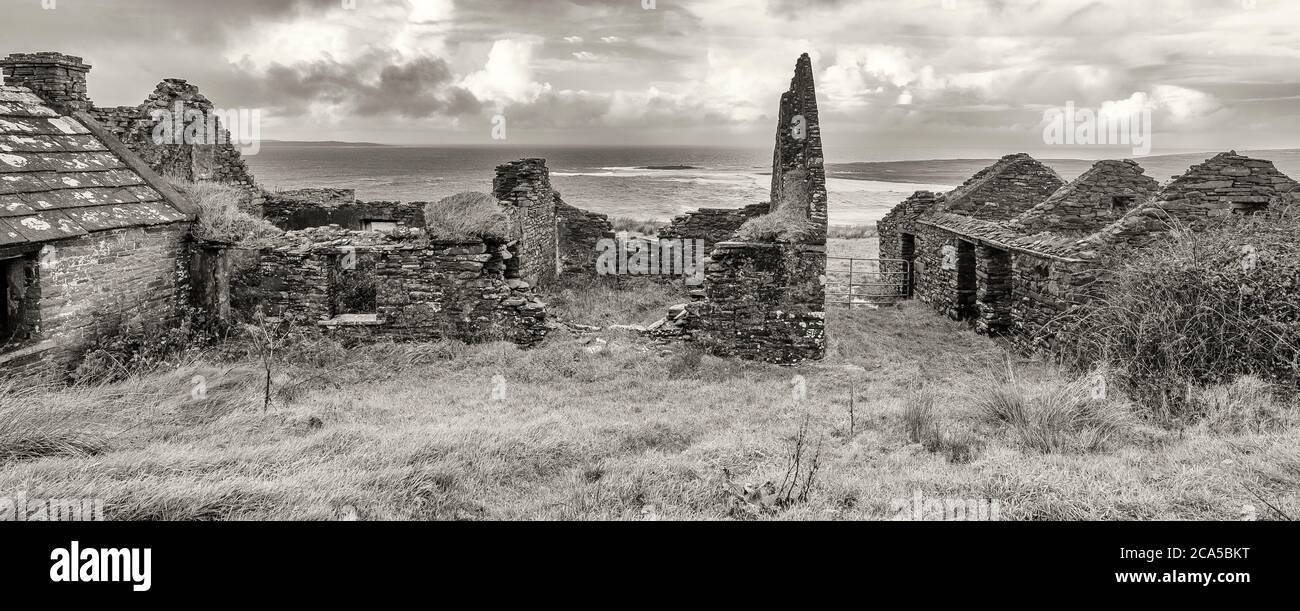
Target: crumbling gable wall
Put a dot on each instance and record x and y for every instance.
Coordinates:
(1106, 192)
(767, 300)
(1004, 190)
(304, 208)
(580, 232)
(1225, 184)
(901, 221)
(201, 160)
(424, 289)
(524, 189)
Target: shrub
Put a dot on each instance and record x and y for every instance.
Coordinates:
(139, 345)
(467, 215)
(221, 218)
(1196, 309)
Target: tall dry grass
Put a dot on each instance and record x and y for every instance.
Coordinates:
(467, 215)
(1198, 309)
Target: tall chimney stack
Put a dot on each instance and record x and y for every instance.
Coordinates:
(58, 79)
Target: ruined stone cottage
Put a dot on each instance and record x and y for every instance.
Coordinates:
(764, 295)
(1013, 248)
(89, 233)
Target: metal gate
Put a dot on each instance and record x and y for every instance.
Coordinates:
(855, 282)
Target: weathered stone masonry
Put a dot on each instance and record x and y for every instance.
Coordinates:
(524, 188)
(425, 289)
(767, 301)
(90, 236)
(304, 208)
(1017, 277)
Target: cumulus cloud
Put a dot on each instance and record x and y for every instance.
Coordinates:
(983, 66)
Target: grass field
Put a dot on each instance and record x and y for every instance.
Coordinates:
(577, 429)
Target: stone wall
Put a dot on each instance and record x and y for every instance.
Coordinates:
(425, 289)
(524, 189)
(767, 301)
(798, 151)
(712, 225)
(579, 233)
(216, 159)
(1106, 192)
(1226, 184)
(87, 286)
(304, 208)
(1004, 190)
(935, 269)
(764, 302)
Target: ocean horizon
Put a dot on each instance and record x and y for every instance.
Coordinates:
(652, 183)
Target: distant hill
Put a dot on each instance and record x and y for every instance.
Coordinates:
(316, 143)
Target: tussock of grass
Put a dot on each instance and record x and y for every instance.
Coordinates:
(1057, 418)
(221, 217)
(467, 215)
(788, 219)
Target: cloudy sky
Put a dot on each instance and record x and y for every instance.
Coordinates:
(892, 75)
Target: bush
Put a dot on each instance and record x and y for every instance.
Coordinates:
(221, 218)
(1196, 309)
(466, 216)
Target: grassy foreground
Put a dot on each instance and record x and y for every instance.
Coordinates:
(619, 429)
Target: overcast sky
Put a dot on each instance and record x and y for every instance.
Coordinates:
(893, 75)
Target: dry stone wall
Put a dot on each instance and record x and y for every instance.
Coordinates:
(767, 300)
(712, 225)
(1004, 190)
(1107, 191)
(580, 232)
(304, 208)
(524, 189)
(424, 289)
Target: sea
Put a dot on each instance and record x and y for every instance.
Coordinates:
(654, 183)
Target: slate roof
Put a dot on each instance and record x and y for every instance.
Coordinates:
(64, 176)
(1001, 236)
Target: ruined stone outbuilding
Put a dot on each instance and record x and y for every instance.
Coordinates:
(90, 235)
(1013, 265)
(766, 299)
(399, 285)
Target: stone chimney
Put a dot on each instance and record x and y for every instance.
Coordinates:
(58, 79)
